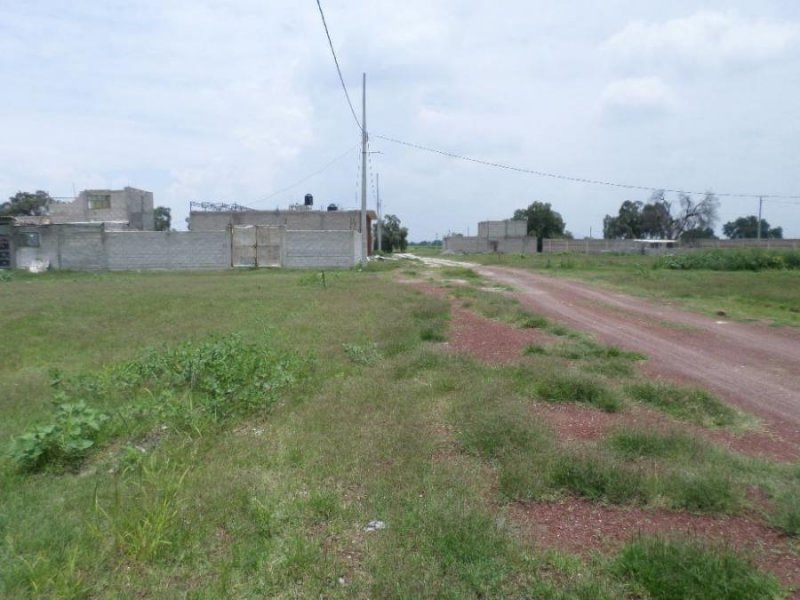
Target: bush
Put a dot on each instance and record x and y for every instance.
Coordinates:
(61, 443)
(688, 569)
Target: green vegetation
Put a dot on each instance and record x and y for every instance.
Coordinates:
(751, 259)
(668, 569)
(257, 421)
(573, 388)
(687, 404)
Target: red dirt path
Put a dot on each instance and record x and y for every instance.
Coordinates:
(581, 526)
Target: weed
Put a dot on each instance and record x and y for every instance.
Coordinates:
(61, 443)
(669, 569)
(142, 519)
(693, 405)
(365, 355)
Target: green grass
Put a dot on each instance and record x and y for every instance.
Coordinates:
(258, 420)
(576, 388)
(687, 404)
(668, 569)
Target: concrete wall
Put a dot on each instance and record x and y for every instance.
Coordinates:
(329, 249)
(133, 250)
(129, 205)
(502, 229)
(89, 247)
(466, 244)
(480, 245)
(317, 220)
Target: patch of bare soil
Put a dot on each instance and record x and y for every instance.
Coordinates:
(484, 339)
(580, 527)
(490, 341)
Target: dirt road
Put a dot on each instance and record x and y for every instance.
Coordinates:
(753, 366)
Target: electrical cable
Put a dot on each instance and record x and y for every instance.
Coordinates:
(338, 68)
(307, 177)
(487, 163)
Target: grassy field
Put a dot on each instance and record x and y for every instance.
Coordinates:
(234, 434)
(772, 296)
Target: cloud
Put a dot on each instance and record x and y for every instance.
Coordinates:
(705, 39)
(637, 96)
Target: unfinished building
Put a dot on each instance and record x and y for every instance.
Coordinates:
(493, 236)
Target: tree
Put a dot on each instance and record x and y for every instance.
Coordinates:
(394, 237)
(655, 220)
(747, 227)
(26, 204)
(627, 225)
(694, 215)
(163, 218)
(542, 221)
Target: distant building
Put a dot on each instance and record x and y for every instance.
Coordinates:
(128, 208)
(494, 236)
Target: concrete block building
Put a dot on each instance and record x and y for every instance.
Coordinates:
(125, 209)
(494, 236)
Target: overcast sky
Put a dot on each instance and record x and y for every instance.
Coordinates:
(230, 101)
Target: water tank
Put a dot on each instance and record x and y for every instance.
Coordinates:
(309, 200)
(332, 207)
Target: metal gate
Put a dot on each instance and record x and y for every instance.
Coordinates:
(5, 252)
(255, 246)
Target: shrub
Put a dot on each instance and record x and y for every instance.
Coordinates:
(688, 569)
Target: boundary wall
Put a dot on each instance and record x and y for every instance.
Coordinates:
(90, 247)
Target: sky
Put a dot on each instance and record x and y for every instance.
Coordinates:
(235, 101)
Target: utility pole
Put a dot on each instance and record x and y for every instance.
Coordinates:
(380, 217)
(758, 227)
(364, 233)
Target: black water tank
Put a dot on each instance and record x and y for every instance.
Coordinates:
(309, 200)
(332, 207)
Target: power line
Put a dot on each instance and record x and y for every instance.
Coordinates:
(338, 68)
(307, 177)
(569, 178)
